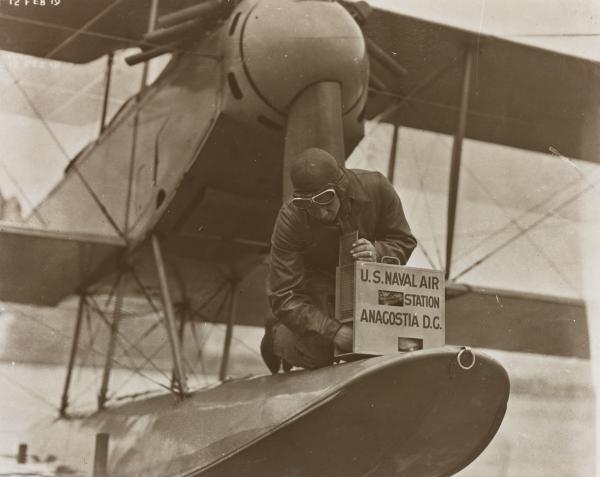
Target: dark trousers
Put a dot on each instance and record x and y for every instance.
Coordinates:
(313, 350)
(310, 352)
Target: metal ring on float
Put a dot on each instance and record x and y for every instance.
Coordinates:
(460, 353)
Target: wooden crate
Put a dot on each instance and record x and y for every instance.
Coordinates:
(393, 308)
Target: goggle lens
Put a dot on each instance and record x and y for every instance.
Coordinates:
(322, 198)
(325, 197)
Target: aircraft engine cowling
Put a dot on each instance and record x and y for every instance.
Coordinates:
(274, 49)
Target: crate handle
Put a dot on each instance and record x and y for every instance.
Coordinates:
(390, 260)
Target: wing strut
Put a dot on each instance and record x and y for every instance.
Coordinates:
(393, 149)
(151, 26)
(169, 318)
(456, 155)
(229, 330)
(114, 331)
(109, 65)
(74, 345)
(136, 117)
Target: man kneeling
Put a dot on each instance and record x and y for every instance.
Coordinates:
(328, 201)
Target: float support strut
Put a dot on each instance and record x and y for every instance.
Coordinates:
(114, 331)
(169, 318)
(229, 329)
(74, 345)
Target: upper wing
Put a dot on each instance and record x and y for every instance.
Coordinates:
(521, 96)
(75, 31)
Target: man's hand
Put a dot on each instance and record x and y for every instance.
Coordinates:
(364, 251)
(343, 338)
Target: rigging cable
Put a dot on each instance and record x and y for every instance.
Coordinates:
(449, 107)
(200, 350)
(136, 370)
(410, 96)
(548, 214)
(82, 29)
(125, 40)
(157, 312)
(65, 335)
(523, 214)
(125, 340)
(135, 367)
(22, 192)
(92, 334)
(427, 208)
(31, 392)
(513, 221)
(208, 300)
(93, 195)
(199, 345)
(484, 115)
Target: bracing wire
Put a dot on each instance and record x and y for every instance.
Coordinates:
(144, 290)
(55, 139)
(200, 355)
(80, 347)
(246, 345)
(30, 392)
(551, 263)
(137, 369)
(101, 313)
(80, 30)
(411, 99)
(422, 174)
(126, 340)
(544, 217)
(104, 36)
(92, 333)
(157, 312)
(427, 209)
(523, 214)
(197, 344)
(515, 222)
(16, 184)
(401, 98)
(84, 358)
(111, 293)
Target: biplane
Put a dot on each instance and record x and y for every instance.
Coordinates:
(177, 196)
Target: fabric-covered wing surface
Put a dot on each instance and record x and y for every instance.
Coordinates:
(521, 96)
(515, 321)
(75, 31)
(41, 268)
(73, 237)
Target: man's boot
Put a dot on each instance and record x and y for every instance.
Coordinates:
(267, 352)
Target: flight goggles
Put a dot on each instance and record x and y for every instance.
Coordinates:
(324, 197)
